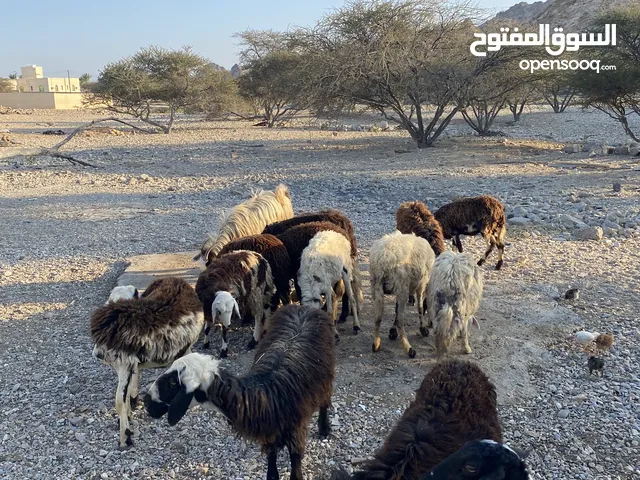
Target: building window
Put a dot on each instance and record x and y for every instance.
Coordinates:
(56, 88)
(41, 88)
(31, 87)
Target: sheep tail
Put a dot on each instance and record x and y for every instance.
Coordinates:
(447, 324)
(282, 194)
(357, 283)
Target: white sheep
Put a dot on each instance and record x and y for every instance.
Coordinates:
(324, 262)
(453, 297)
(401, 266)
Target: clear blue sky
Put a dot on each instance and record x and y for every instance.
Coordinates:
(82, 36)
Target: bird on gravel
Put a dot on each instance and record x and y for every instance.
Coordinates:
(604, 341)
(584, 338)
(596, 364)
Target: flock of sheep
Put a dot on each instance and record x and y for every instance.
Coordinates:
(450, 431)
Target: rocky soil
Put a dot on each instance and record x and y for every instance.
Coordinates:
(66, 234)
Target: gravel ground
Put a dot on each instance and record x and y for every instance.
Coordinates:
(67, 233)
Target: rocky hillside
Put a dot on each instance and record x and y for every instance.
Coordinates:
(574, 15)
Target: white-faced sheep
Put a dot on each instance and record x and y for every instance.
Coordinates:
(149, 332)
(400, 265)
(290, 379)
(274, 252)
(249, 218)
(297, 238)
(324, 262)
(455, 404)
(453, 296)
(238, 282)
(470, 216)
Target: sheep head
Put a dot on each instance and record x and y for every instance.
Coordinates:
(223, 307)
(481, 459)
(183, 385)
(123, 292)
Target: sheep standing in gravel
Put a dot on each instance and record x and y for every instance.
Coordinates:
(482, 215)
(274, 252)
(415, 217)
(290, 379)
(249, 218)
(324, 262)
(400, 265)
(455, 404)
(236, 283)
(453, 296)
(147, 332)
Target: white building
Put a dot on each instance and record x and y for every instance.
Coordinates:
(34, 90)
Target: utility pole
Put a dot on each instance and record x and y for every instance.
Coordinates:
(69, 78)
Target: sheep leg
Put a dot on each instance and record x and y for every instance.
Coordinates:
(329, 302)
(406, 346)
(423, 330)
(412, 300)
(224, 350)
(464, 336)
(500, 255)
(324, 426)
(345, 309)
(125, 372)
(352, 300)
(377, 294)
(295, 454)
(207, 331)
(491, 245)
(458, 243)
(133, 387)
(272, 464)
(393, 331)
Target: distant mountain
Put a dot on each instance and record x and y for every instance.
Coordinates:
(236, 71)
(572, 15)
(523, 12)
(217, 67)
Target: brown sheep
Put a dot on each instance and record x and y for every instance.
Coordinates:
(415, 217)
(455, 404)
(473, 215)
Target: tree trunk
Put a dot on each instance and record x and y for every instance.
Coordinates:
(172, 117)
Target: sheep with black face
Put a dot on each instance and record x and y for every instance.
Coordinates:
(290, 379)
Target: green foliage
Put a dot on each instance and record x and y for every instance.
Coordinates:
(616, 92)
(407, 59)
(13, 76)
(154, 77)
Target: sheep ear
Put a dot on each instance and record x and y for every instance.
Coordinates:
(236, 308)
(179, 406)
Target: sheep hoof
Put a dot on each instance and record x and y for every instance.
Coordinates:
(356, 330)
(376, 346)
(337, 337)
(412, 353)
(133, 401)
(499, 265)
(412, 300)
(223, 353)
(424, 331)
(393, 333)
(481, 262)
(252, 344)
(342, 319)
(467, 350)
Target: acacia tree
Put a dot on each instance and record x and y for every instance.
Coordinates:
(407, 59)
(5, 85)
(272, 78)
(616, 92)
(156, 77)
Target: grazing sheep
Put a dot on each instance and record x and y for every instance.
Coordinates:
(238, 282)
(455, 404)
(400, 265)
(415, 217)
(453, 297)
(249, 218)
(274, 252)
(147, 332)
(291, 378)
(327, 215)
(324, 262)
(470, 216)
(297, 238)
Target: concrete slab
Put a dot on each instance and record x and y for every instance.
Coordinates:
(144, 269)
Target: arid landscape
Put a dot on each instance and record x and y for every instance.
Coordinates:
(68, 233)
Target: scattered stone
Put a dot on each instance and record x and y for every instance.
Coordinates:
(575, 148)
(77, 421)
(589, 233)
(617, 187)
(622, 150)
(571, 222)
(519, 220)
(563, 413)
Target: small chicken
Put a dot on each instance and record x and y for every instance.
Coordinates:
(596, 364)
(604, 341)
(584, 338)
